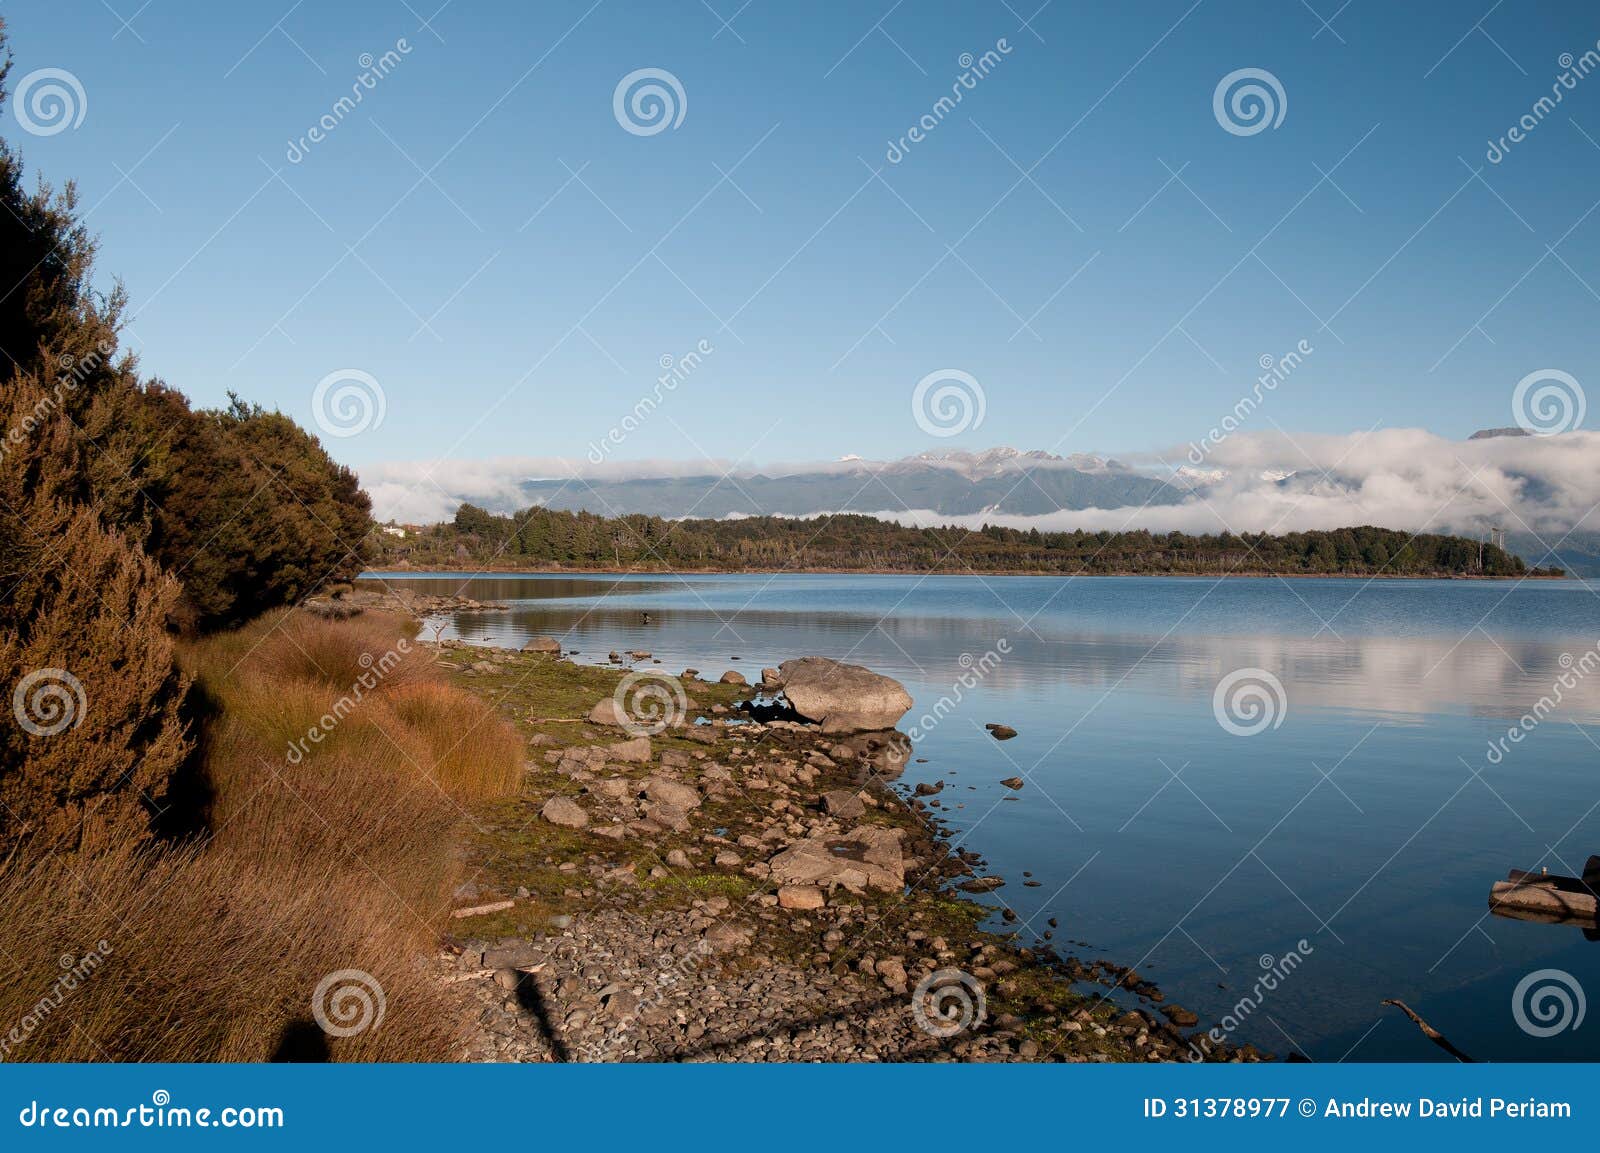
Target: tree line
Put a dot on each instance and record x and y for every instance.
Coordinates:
(539, 537)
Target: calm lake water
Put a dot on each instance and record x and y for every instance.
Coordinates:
(1368, 816)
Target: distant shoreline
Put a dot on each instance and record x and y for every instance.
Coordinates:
(533, 570)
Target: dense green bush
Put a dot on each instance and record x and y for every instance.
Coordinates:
(242, 505)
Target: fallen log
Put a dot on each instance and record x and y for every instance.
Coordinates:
(1535, 897)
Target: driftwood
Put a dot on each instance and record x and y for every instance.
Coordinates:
(1429, 1031)
(1548, 897)
(480, 910)
(1544, 898)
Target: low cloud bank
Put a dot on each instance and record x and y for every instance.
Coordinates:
(1258, 482)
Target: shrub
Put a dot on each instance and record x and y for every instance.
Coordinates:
(244, 506)
(87, 663)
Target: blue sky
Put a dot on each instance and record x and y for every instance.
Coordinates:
(1080, 235)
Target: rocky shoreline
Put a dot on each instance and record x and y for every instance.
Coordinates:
(739, 886)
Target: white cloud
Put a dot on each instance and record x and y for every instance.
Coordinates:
(1398, 478)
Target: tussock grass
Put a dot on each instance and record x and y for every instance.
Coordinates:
(318, 855)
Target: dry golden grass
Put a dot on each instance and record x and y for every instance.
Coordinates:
(321, 855)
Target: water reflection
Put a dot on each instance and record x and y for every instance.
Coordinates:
(1405, 678)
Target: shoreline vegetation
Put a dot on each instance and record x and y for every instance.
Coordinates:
(538, 539)
(279, 859)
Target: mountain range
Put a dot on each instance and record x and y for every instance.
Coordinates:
(954, 483)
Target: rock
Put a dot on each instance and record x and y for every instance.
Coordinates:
(665, 791)
(1028, 1050)
(543, 645)
(667, 816)
(733, 677)
(1013, 782)
(726, 859)
(844, 804)
(507, 978)
(700, 734)
(678, 859)
(866, 857)
(1179, 1016)
(690, 674)
(924, 789)
(514, 955)
(893, 973)
(771, 679)
(800, 897)
(1001, 732)
(981, 884)
(607, 712)
(843, 698)
(564, 811)
(726, 938)
(636, 751)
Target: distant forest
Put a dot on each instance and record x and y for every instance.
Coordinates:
(540, 538)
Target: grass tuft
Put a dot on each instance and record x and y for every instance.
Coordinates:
(334, 769)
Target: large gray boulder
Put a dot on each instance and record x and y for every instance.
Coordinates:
(843, 698)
